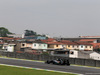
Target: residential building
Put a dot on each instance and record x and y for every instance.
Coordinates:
(73, 54)
(9, 47)
(70, 45)
(77, 45)
(1, 45)
(85, 46)
(55, 45)
(96, 45)
(39, 45)
(84, 54)
(16, 35)
(23, 44)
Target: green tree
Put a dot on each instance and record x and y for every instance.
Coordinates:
(30, 32)
(4, 32)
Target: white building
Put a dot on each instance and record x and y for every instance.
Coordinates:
(95, 56)
(84, 54)
(73, 54)
(8, 47)
(16, 35)
(39, 45)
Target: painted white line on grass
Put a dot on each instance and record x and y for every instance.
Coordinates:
(40, 69)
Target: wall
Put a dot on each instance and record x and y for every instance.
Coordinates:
(74, 55)
(81, 47)
(76, 47)
(29, 45)
(58, 46)
(95, 56)
(69, 46)
(50, 46)
(18, 46)
(89, 47)
(10, 48)
(39, 46)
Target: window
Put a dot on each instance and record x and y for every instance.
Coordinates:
(71, 52)
(34, 44)
(90, 46)
(77, 46)
(23, 44)
(48, 45)
(62, 45)
(68, 45)
(39, 44)
(56, 45)
(81, 46)
(10, 45)
(5, 47)
(44, 45)
(85, 46)
(73, 46)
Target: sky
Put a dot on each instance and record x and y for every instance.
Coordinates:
(56, 18)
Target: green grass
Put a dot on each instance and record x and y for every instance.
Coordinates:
(7, 70)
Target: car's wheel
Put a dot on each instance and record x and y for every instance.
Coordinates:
(68, 64)
(48, 62)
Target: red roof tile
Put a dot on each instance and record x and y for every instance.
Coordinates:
(48, 40)
(75, 43)
(86, 40)
(54, 43)
(6, 38)
(68, 42)
(96, 45)
(83, 43)
(65, 41)
(1, 42)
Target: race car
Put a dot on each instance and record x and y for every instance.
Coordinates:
(58, 62)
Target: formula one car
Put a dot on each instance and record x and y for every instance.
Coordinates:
(58, 62)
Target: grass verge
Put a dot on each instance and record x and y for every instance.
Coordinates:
(7, 70)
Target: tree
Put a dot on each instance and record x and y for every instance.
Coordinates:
(4, 32)
(30, 32)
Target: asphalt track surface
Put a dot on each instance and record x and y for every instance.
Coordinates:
(34, 64)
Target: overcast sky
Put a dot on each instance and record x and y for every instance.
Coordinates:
(64, 18)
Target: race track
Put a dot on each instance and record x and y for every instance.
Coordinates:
(34, 64)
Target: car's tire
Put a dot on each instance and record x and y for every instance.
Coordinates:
(47, 62)
(68, 64)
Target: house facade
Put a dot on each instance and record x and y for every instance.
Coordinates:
(85, 46)
(73, 54)
(55, 45)
(8, 47)
(95, 56)
(38, 45)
